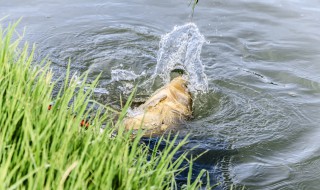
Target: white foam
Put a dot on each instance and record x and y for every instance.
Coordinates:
(123, 75)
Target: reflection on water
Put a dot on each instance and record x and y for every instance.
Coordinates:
(259, 119)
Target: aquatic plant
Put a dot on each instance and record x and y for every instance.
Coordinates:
(194, 3)
(43, 148)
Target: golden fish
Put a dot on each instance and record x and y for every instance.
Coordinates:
(167, 107)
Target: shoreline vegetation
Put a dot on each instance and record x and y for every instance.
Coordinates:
(47, 149)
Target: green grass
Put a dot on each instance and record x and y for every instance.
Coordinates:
(47, 149)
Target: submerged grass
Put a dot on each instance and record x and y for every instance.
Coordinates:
(47, 149)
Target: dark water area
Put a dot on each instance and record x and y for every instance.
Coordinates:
(259, 116)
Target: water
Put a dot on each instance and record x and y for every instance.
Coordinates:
(257, 109)
(180, 49)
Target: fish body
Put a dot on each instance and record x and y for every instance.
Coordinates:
(167, 107)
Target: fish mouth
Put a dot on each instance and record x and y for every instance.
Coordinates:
(176, 73)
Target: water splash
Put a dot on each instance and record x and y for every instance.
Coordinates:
(123, 75)
(181, 49)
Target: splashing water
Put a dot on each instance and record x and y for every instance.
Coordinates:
(181, 49)
(123, 75)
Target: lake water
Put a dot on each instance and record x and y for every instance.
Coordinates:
(259, 114)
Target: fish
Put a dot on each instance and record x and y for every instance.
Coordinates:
(167, 107)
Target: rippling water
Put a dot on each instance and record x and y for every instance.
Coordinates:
(259, 118)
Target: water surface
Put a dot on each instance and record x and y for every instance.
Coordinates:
(259, 117)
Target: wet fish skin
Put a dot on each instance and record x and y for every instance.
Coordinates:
(166, 107)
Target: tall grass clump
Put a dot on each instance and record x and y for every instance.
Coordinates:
(47, 149)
